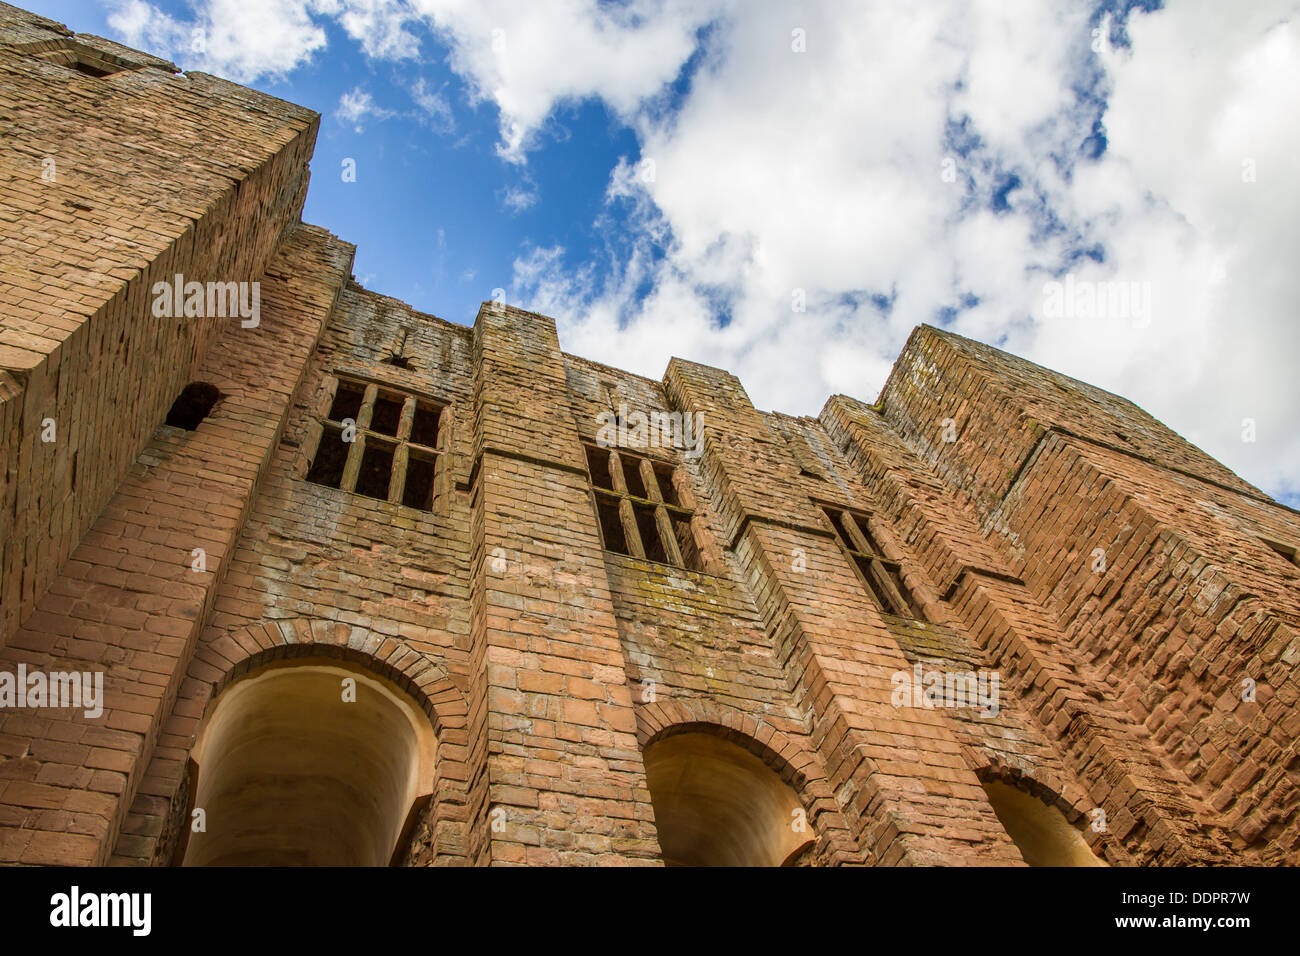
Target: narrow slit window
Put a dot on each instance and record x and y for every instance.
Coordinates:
(664, 478)
(611, 524)
(418, 491)
(649, 530)
(598, 465)
(686, 545)
(193, 405)
(1287, 552)
(376, 470)
(424, 426)
(331, 458)
(347, 402)
(86, 59)
(387, 415)
(632, 475)
(860, 522)
(91, 70)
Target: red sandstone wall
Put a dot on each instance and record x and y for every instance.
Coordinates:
(545, 664)
(1150, 561)
(154, 173)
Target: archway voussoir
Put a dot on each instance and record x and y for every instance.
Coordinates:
(266, 635)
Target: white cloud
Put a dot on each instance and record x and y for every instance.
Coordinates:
(521, 55)
(819, 173)
(525, 57)
(1209, 91)
(433, 107)
(232, 38)
(519, 198)
(357, 107)
(380, 26)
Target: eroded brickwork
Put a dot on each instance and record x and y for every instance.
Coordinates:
(556, 624)
(108, 185)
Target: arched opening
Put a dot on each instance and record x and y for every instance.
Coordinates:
(309, 762)
(716, 804)
(1041, 832)
(192, 405)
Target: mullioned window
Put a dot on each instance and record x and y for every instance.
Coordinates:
(381, 443)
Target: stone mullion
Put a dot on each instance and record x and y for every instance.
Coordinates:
(662, 521)
(668, 537)
(651, 481)
(310, 447)
(854, 537)
(879, 574)
(353, 467)
(328, 395)
(397, 480)
(616, 474)
(709, 555)
(402, 455)
(684, 493)
(922, 594)
(442, 469)
(444, 429)
(626, 514)
(407, 419)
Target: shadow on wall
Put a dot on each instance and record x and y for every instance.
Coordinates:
(717, 804)
(1041, 833)
(309, 762)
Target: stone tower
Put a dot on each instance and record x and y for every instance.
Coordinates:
(452, 596)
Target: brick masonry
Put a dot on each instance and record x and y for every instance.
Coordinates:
(1138, 600)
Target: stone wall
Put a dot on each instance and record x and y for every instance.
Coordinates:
(1136, 599)
(109, 185)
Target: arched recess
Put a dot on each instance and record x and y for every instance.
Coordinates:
(780, 760)
(310, 761)
(719, 805)
(438, 836)
(1035, 817)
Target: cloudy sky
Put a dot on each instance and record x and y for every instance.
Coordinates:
(786, 189)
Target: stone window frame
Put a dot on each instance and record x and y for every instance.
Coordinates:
(667, 516)
(882, 575)
(402, 444)
(1289, 553)
(74, 55)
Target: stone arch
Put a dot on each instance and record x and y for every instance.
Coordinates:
(439, 833)
(1052, 790)
(795, 764)
(309, 761)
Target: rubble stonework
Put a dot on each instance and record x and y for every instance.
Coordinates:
(1135, 601)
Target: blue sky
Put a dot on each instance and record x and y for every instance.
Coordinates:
(429, 210)
(786, 189)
